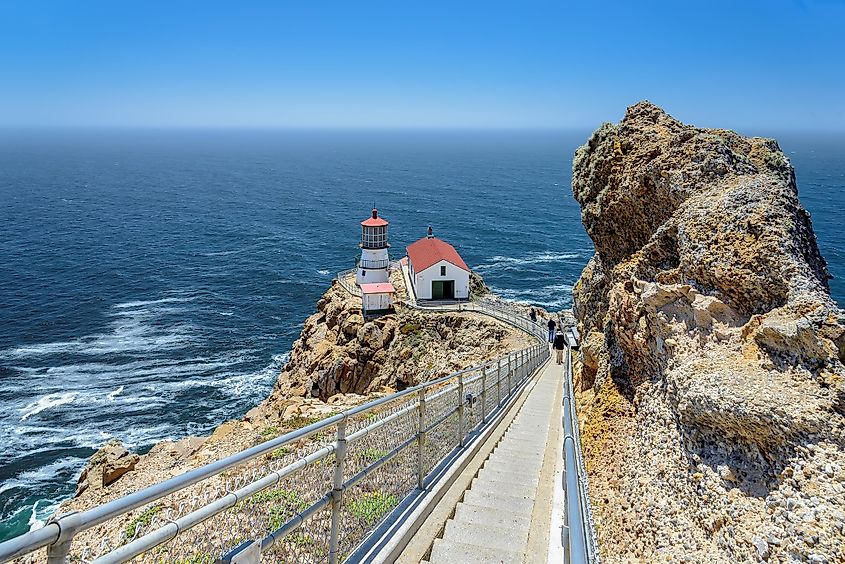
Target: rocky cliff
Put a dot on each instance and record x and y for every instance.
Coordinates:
(339, 361)
(712, 377)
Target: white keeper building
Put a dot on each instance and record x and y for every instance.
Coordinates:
(436, 270)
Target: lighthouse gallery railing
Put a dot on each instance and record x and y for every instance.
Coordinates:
(311, 495)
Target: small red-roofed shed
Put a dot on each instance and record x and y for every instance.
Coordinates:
(436, 269)
(376, 297)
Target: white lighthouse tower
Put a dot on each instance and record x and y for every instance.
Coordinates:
(374, 263)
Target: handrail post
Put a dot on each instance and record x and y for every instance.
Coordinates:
(337, 491)
(58, 553)
(510, 386)
(499, 375)
(499, 388)
(484, 394)
(461, 409)
(421, 442)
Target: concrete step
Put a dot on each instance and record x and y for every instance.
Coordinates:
(494, 489)
(502, 539)
(494, 474)
(449, 552)
(526, 431)
(492, 516)
(520, 449)
(518, 505)
(515, 462)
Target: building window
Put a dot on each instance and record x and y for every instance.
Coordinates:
(442, 271)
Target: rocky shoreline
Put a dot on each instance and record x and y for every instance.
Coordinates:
(339, 361)
(712, 398)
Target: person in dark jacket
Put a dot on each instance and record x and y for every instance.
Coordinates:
(552, 325)
(559, 346)
(533, 315)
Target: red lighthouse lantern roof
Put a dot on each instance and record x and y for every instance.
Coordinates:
(374, 221)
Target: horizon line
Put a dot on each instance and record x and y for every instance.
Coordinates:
(379, 128)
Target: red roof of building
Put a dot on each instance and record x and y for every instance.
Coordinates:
(374, 221)
(378, 288)
(429, 251)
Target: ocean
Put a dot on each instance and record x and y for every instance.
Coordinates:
(152, 282)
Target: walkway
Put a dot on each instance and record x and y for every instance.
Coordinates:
(507, 515)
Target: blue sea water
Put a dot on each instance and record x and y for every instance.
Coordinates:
(152, 281)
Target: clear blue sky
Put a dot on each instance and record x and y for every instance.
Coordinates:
(770, 64)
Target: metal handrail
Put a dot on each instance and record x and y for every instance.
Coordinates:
(58, 534)
(581, 538)
(343, 280)
(373, 264)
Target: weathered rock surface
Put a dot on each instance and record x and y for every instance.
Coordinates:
(339, 361)
(107, 466)
(339, 352)
(713, 403)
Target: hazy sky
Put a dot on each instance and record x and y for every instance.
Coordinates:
(743, 64)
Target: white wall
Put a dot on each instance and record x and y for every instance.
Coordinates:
(372, 276)
(422, 280)
(375, 302)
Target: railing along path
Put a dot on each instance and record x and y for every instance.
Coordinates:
(311, 495)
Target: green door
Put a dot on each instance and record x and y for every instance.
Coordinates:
(437, 290)
(443, 290)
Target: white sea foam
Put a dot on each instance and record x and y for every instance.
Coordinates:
(323, 272)
(44, 474)
(551, 297)
(114, 394)
(141, 303)
(136, 328)
(47, 509)
(47, 402)
(501, 262)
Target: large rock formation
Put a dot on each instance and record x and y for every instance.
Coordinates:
(713, 409)
(339, 361)
(339, 352)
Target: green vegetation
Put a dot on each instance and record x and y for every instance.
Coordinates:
(411, 327)
(370, 507)
(305, 541)
(141, 520)
(373, 454)
(282, 503)
(270, 432)
(300, 422)
(280, 452)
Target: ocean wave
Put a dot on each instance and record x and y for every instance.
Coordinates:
(38, 517)
(142, 303)
(138, 326)
(47, 402)
(43, 474)
(125, 338)
(551, 297)
(114, 394)
(511, 263)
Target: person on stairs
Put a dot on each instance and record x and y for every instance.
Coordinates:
(560, 345)
(552, 325)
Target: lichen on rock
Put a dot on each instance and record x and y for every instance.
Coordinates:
(706, 308)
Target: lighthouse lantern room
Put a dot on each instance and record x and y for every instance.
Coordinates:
(374, 264)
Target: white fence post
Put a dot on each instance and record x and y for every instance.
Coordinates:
(421, 441)
(461, 409)
(337, 491)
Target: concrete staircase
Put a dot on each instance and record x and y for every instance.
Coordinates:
(493, 521)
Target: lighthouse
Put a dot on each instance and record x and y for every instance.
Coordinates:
(374, 263)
